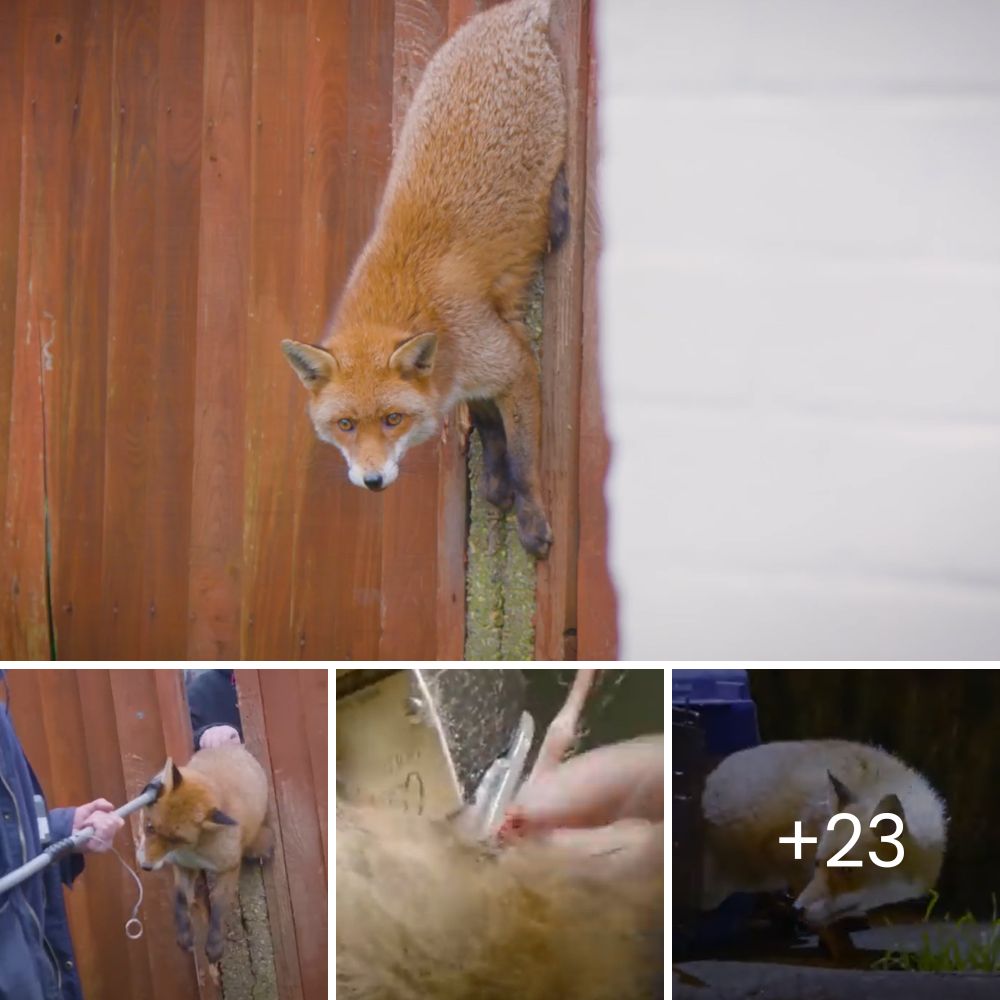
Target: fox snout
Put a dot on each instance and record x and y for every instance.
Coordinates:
(375, 479)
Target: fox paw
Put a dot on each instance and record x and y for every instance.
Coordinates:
(534, 531)
(213, 947)
(185, 940)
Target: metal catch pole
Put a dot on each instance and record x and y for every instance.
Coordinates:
(55, 851)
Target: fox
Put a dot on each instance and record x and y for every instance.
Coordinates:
(207, 816)
(432, 313)
(755, 796)
(429, 914)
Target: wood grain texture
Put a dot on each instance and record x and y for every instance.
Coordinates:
(597, 626)
(78, 425)
(273, 403)
(556, 615)
(276, 887)
(132, 361)
(11, 101)
(216, 551)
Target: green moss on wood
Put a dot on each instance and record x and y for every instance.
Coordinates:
(500, 578)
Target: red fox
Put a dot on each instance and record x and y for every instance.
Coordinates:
(432, 313)
(426, 915)
(208, 816)
(755, 796)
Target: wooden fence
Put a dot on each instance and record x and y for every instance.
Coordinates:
(94, 733)
(184, 183)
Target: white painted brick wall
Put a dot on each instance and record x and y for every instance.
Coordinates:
(800, 302)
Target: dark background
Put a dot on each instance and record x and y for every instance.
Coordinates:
(943, 723)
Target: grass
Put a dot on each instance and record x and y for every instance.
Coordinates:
(952, 953)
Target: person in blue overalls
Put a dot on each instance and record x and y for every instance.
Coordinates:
(36, 954)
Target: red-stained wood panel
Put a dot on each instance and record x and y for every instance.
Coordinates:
(76, 429)
(112, 901)
(11, 100)
(313, 691)
(295, 802)
(132, 362)
(556, 613)
(276, 885)
(597, 626)
(324, 551)
(216, 548)
(273, 403)
(169, 434)
(39, 313)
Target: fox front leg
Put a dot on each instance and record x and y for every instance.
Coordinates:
(184, 885)
(221, 895)
(497, 488)
(520, 406)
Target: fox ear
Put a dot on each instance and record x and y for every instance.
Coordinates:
(841, 790)
(890, 804)
(171, 775)
(313, 365)
(416, 355)
(218, 818)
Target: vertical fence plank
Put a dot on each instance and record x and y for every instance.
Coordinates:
(555, 625)
(597, 625)
(276, 884)
(295, 802)
(132, 363)
(112, 905)
(313, 690)
(39, 314)
(77, 432)
(322, 622)
(168, 437)
(215, 567)
(11, 100)
(272, 400)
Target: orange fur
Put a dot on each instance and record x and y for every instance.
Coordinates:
(208, 817)
(432, 312)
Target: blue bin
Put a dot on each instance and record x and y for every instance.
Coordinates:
(728, 721)
(722, 700)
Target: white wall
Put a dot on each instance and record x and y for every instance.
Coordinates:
(801, 326)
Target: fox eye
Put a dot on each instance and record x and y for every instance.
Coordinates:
(394, 419)
(150, 828)
(345, 424)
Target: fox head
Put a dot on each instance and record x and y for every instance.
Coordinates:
(836, 892)
(373, 400)
(182, 815)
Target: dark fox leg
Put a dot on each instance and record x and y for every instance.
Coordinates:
(521, 408)
(221, 895)
(497, 488)
(559, 210)
(184, 884)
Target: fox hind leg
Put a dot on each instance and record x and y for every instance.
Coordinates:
(261, 848)
(221, 896)
(497, 485)
(559, 210)
(520, 406)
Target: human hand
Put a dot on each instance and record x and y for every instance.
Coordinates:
(610, 783)
(218, 736)
(101, 816)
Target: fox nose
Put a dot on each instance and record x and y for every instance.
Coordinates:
(373, 481)
(146, 866)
